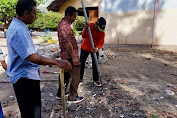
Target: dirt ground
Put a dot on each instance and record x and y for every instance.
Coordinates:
(139, 83)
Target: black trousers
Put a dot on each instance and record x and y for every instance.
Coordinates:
(28, 96)
(83, 56)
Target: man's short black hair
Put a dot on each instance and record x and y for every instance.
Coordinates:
(24, 5)
(70, 10)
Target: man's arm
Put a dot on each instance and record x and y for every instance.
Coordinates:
(69, 49)
(38, 59)
(84, 33)
(85, 30)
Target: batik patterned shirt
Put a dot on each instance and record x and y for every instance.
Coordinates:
(66, 34)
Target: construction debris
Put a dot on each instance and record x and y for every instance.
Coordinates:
(48, 50)
(110, 54)
(169, 92)
(53, 51)
(103, 57)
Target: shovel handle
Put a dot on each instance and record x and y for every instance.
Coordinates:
(62, 91)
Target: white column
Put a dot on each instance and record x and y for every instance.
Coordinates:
(155, 22)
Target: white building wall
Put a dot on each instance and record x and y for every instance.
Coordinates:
(132, 21)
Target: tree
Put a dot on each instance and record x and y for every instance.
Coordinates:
(49, 20)
(79, 23)
(7, 11)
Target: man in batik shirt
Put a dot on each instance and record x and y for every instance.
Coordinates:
(69, 51)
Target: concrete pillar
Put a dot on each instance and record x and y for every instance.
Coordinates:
(155, 22)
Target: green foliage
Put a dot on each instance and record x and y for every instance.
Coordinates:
(7, 11)
(2, 23)
(79, 23)
(51, 20)
(46, 38)
(80, 33)
(40, 2)
(155, 116)
(46, 21)
(74, 30)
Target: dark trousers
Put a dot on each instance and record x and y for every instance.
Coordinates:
(73, 76)
(66, 80)
(28, 96)
(1, 113)
(83, 57)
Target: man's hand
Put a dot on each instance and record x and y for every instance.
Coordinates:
(65, 64)
(75, 61)
(86, 24)
(94, 50)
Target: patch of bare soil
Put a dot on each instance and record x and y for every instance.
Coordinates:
(136, 83)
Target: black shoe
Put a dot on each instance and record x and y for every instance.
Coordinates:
(80, 82)
(59, 97)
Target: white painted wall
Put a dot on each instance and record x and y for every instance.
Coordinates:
(134, 19)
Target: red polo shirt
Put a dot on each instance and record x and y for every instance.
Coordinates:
(98, 39)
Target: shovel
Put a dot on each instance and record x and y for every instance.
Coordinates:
(62, 91)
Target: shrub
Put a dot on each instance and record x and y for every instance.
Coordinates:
(46, 38)
(79, 23)
(51, 20)
(47, 21)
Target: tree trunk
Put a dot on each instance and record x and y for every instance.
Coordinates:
(5, 28)
(5, 31)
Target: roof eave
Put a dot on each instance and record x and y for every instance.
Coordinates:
(55, 5)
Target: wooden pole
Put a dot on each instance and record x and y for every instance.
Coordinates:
(62, 91)
(52, 113)
(117, 44)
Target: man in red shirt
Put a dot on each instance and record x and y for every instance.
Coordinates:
(69, 51)
(98, 34)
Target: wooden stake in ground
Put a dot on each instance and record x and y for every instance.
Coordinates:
(117, 44)
(52, 113)
(62, 91)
